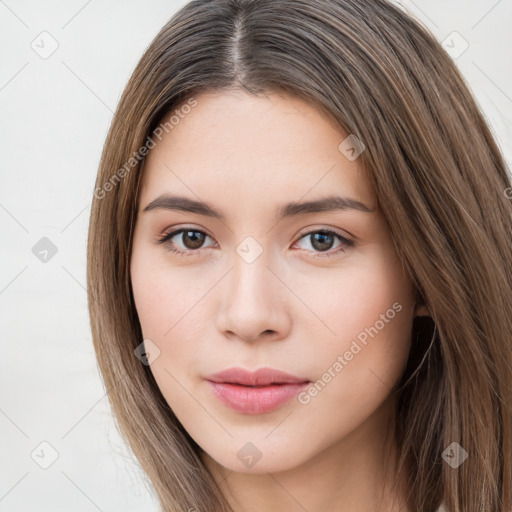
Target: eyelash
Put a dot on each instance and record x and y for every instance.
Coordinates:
(345, 242)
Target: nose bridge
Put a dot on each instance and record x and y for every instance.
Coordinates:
(252, 302)
(250, 280)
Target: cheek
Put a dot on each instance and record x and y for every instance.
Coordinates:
(169, 303)
(353, 298)
(160, 301)
(367, 316)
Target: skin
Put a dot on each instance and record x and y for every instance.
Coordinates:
(212, 310)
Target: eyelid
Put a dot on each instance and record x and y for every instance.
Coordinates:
(306, 231)
(315, 229)
(169, 233)
(176, 230)
(345, 242)
(179, 227)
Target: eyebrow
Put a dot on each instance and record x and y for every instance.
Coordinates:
(330, 203)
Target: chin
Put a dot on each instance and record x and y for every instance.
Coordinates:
(255, 458)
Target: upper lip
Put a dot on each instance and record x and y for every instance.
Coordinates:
(260, 377)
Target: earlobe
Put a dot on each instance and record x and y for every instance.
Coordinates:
(422, 311)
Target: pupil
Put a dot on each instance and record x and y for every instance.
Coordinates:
(321, 244)
(196, 239)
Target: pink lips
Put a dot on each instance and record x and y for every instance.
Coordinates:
(255, 392)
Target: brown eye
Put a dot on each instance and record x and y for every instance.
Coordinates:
(192, 239)
(188, 241)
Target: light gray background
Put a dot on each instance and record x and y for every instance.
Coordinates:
(55, 113)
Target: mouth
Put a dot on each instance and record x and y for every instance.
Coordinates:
(257, 392)
(259, 378)
(256, 385)
(255, 399)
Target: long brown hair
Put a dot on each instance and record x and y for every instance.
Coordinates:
(443, 188)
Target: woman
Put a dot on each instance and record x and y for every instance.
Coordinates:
(300, 266)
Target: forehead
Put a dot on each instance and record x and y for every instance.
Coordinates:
(272, 147)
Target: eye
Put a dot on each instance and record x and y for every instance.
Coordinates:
(191, 238)
(322, 240)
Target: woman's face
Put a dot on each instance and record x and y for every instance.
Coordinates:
(317, 292)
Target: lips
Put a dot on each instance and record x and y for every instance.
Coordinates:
(255, 392)
(261, 377)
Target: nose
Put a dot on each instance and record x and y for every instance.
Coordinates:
(254, 302)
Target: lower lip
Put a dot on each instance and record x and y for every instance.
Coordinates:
(256, 400)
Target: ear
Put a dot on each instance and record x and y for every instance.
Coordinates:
(422, 310)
